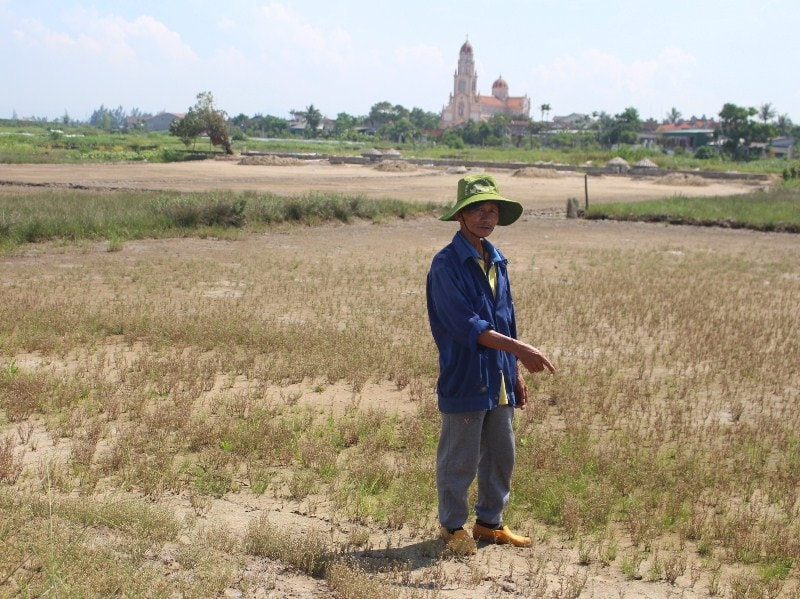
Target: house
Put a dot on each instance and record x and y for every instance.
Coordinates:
(518, 128)
(161, 121)
(298, 123)
(688, 134)
(648, 136)
(781, 147)
(572, 122)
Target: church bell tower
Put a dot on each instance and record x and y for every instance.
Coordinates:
(465, 82)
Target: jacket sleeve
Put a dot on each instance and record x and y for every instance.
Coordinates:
(512, 323)
(454, 306)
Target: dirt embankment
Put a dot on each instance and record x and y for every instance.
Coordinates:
(534, 188)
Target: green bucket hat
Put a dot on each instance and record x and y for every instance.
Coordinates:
(481, 188)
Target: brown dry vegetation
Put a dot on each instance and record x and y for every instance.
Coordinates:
(203, 417)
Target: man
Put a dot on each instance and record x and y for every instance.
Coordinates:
(472, 319)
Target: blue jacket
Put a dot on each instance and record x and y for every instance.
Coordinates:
(460, 307)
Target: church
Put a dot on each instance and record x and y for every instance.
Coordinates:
(467, 105)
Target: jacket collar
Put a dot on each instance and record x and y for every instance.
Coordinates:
(465, 251)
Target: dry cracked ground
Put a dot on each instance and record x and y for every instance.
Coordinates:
(495, 571)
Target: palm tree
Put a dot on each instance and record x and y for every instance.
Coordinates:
(784, 124)
(313, 119)
(545, 108)
(766, 111)
(673, 116)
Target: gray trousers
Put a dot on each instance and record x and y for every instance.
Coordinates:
(475, 443)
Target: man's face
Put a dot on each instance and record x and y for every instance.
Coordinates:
(480, 219)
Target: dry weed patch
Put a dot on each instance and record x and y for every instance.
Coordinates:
(665, 449)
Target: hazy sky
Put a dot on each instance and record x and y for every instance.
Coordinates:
(64, 56)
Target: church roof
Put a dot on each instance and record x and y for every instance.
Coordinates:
(513, 103)
(491, 101)
(500, 82)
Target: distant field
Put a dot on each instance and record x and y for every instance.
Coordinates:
(52, 143)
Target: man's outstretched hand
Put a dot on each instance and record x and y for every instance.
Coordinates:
(530, 357)
(534, 360)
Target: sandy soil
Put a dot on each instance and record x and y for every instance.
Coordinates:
(544, 197)
(550, 190)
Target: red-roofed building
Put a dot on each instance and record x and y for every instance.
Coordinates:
(689, 134)
(466, 104)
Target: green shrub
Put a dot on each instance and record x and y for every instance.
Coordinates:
(453, 140)
(191, 213)
(792, 172)
(705, 153)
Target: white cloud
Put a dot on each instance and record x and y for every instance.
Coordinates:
(422, 56)
(679, 65)
(677, 58)
(110, 38)
(639, 78)
(299, 41)
(148, 30)
(230, 59)
(226, 24)
(605, 78)
(33, 34)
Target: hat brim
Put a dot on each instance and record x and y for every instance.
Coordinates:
(510, 210)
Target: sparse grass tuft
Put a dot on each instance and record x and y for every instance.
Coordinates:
(308, 550)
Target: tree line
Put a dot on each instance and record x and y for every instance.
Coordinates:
(738, 128)
(386, 120)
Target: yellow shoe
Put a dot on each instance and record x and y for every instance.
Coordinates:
(503, 536)
(459, 543)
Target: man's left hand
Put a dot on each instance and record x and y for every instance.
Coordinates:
(521, 391)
